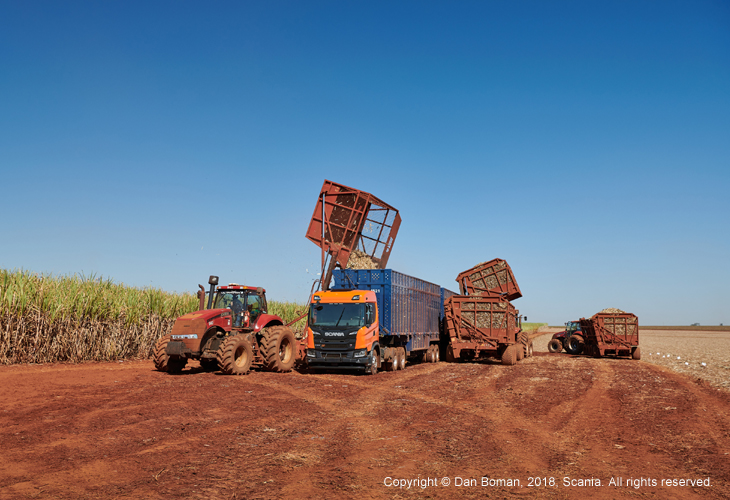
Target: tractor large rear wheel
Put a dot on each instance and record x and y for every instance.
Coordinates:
(235, 355)
(575, 344)
(278, 346)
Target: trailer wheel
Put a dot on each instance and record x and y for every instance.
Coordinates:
(555, 346)
(450, 358)
(529, 349)
(636, 354)
(428, 356)
(278, 347)
(436, 355)
(235, 355)
(509, 356)
(401, 358)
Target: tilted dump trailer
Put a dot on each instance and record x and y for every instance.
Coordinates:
(481, 322)
(410, 314)
(490, 279)
(614, 334)
(479, 326)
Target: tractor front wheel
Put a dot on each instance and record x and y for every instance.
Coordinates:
(555, 345)
(235, 355)
(165, 363)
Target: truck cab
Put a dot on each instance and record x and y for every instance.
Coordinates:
(343, 330)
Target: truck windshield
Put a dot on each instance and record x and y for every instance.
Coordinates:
(337, 315)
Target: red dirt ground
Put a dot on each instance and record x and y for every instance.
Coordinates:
(123, 430)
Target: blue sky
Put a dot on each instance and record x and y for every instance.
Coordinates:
(587, 143)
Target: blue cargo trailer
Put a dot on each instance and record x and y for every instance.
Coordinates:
(411, 310)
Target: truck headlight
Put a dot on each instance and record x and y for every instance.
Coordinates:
(310, 354)
(361, 353)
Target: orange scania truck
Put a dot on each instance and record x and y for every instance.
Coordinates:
(374, 318)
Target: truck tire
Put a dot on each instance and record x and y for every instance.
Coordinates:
(278, 346)
(235, 355)
(509, 356)
(436, 355)
(401, 358)
(575, 344)
(636, 354)
(555, 346)
(428, 356)
(373, 369)
(529, 349)
(520, 351)
(165, 363)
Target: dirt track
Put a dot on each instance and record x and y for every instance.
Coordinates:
(123, 430)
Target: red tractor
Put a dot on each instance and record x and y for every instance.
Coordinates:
(571, 339)
(232, 334)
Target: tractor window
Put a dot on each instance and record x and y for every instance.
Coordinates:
(222, 300)
(254, 306)
(229, 300)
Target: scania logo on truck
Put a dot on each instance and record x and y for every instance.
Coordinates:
(334, 334)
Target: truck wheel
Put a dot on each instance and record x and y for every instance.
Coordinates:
(373, 369)
(576, 344)
(165, 363)
(401, 358)
(278, 347)
(235, 355)
(436, 355)
(427, 355)
(529, 349)
(520, 351)
(555, 346)
(636, 354)
(509, 357)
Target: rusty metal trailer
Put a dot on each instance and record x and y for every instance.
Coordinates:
(490, 279)
(483, 326)
(349, 222)
(614, 334)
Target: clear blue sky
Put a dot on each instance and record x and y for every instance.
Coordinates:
(587, 143)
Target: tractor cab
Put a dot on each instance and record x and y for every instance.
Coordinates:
(246, 303)
(571, 327)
